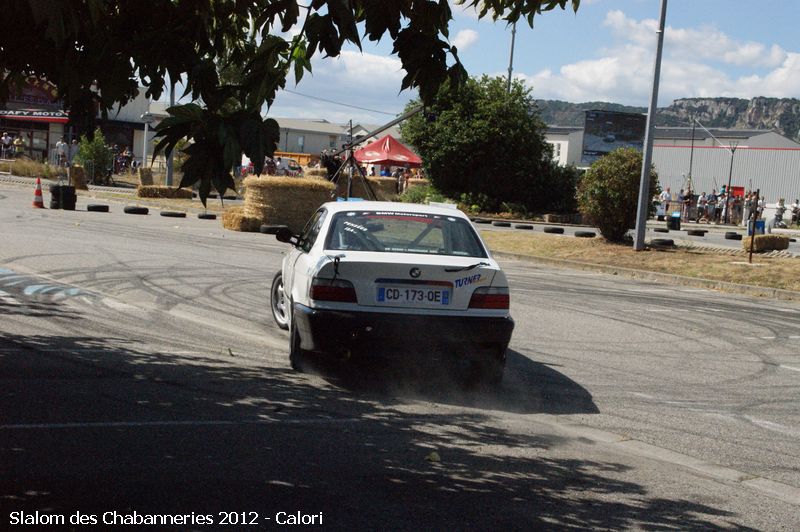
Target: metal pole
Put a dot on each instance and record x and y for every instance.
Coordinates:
(144, 145)
(753, 218)
(691, 152)
(350, 166)
(511, 56)
(728, 188)
(171, 155)
(644, 185)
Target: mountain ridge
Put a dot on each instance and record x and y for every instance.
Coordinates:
(779, 114)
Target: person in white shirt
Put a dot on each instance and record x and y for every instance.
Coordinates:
(665, 197)
(5, 145)
(61, 152)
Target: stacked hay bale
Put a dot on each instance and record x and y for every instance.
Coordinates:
(235, 219)
(158, 191)
(146, 176)
(284, 200)
(317, 173)
(766, 243)
(77, 176)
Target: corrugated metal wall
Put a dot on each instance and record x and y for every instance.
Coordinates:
(776, 171)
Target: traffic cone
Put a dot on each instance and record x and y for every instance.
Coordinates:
(38, 201)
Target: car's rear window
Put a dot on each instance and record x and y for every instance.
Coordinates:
(403, 232)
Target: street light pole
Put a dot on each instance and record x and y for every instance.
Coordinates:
(728, 189)
(171, 156)
(511, 56)
(644, 184)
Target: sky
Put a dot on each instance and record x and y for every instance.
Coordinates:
(604, 52)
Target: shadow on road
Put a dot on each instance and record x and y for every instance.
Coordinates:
(528, 386)
(94, 424)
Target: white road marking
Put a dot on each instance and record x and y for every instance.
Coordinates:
(789, 367)
(767, 337)
(794, 337)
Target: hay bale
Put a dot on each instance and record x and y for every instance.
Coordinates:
(317, 173)
(146, 176)
(234, 219)
(77, 176)
(284, 200)
(766, 243)
(417, 182)
(385, 187)
(158, 191)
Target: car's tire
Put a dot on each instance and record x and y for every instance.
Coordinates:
(696, 232)
(662, 243)
(554, 230)
(93, 207)
(277, 302)
(270, 229)
(207, 216)
(173, 214)
(298, 357)
(134, 209)
(661, 230)
(501, 224)
(585, 234)
(730, 235)
(526, 227)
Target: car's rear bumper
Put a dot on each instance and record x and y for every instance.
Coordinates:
(334, 331)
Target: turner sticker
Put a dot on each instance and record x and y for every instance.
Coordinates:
(471, 279)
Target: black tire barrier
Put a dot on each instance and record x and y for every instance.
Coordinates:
(554, 230)
(501, 224)
(173, 214)
(696, 232)
(62, 197)
(270, 229)
(585, 234)
(730, 235)
(207, 216)
(792, 240)
(661, 230)
(482, 221)
(662, 243)
(527, 227)
(97, 208)
(133, 209)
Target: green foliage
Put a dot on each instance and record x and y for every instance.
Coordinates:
(608, 193)
(233, 56)
(482, 140)
(94, 154)
(422, 194)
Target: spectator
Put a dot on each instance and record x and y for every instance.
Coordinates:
(711, 205)
(665, 197)
(19, 146)
(762, 202)
(701, 208)
(73, 151)
(61, 152)
(687, 205)
(385, 172)
(5, 146)
(795, 213)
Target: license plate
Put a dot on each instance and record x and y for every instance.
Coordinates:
(417, 295)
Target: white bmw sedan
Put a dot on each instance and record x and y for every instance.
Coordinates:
(376, 277)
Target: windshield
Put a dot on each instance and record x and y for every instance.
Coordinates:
(404, 232)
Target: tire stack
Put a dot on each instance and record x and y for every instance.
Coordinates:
(62, 197)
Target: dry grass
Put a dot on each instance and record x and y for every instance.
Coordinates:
(783, 273)
(158, 191)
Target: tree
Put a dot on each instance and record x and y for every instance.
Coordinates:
(608, 193)
(98, 51)
(482, 140)
(94, 155)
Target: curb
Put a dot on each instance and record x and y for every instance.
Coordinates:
(667, 278)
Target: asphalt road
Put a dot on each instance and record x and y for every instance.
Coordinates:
(140, 372)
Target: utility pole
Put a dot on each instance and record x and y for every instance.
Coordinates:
(171, 156)
(644, 184)
(511, 57)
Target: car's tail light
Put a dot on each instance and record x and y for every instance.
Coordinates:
(490, 297)
(333, 290)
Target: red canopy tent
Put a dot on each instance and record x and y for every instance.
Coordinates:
(387, 151)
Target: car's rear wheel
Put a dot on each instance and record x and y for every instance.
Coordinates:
(280, 308)
(297, 356)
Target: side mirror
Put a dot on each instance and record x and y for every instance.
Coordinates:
(283, 234)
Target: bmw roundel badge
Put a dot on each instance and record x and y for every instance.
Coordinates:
(414, 272)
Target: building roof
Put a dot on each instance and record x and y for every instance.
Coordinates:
(310, 125)
(700, 133)
(563, 130)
